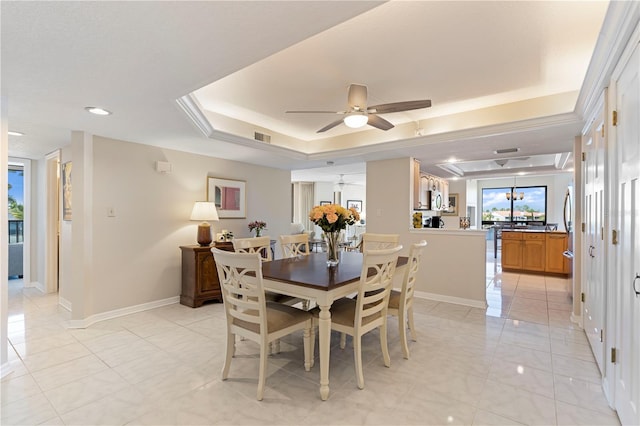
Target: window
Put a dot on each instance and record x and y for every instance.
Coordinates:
(523, 204)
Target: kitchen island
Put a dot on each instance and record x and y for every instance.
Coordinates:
(538, 251)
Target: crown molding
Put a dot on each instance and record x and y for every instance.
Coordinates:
(619, 23)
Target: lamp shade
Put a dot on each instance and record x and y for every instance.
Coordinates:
(356, 119)
(204, 210)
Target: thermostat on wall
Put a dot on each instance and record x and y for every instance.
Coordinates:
(164, 167)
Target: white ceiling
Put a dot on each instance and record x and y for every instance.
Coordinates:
(247, 62)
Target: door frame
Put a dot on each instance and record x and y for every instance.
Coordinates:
(52, 222)
(614, 255)
(26, 220)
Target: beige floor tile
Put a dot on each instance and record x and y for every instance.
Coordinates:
(519, 361)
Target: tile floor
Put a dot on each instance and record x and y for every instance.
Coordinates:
(521, 361)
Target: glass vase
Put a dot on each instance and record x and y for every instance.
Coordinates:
(258, 231)
(333, 240)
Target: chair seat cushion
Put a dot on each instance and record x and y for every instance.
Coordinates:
(279, 316)
(343, 312)
(394, 299)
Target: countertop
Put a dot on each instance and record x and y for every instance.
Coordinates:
(540, 231)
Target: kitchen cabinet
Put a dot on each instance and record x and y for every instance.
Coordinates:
(556, 245)
(416, 184)
(534, 252)
(511, 250)
(429, 192)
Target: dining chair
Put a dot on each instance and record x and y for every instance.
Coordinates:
(379, 241)
(260, 245)
(401, 302)
(368, 311)
(250, 315)
(294, 245)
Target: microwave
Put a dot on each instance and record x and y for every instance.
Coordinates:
(434, 200)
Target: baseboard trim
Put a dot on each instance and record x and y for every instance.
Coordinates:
(451, 299)
(64, 303)
(576, 319)
(5, 370)
(84, 323)
(35, 284)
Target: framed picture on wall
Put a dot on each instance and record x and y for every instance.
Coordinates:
(229, 197)
(355, 204)
(66, 190)
(325, 203)
(453, 206)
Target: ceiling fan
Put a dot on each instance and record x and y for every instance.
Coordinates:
(358, 113)
(340, 184)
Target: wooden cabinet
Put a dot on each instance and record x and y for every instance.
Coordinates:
(199, 275)
(534, 252)
(511, 250)
(557, 244)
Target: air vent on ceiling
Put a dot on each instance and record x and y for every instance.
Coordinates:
(262, 137)
(506, 150)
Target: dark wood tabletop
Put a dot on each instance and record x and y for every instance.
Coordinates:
(312, 271)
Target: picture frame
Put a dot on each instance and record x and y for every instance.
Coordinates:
(452, 210)
(356, 204)
(325, 203)
(66, 190)
(229, 196)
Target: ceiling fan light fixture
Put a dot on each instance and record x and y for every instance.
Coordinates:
(97, 110)
(355, 120)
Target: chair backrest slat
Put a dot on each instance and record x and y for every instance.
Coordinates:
(294, 245)
(378, 267)
(240, 276)
(379, 241)
(411, 272)
(260, 245)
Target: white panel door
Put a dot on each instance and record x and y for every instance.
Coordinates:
(626, 255)
(594, 287)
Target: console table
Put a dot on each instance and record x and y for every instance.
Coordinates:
(199, 274)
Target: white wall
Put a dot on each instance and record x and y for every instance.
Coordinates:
(453, 266)
(135, 255)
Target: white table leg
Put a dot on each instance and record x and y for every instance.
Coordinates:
(324, 336)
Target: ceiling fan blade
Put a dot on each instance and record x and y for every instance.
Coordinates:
(399, 106)
(379, 122)
(357, 98)
(315, 112)
(330, 126)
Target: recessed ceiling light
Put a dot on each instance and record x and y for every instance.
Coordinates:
(13, 133)
(452, 160)
(97, 110)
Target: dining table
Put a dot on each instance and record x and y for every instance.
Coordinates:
(309, 277)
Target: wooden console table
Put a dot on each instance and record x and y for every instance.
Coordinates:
(199, 274)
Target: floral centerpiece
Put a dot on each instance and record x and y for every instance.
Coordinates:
(258, 225)
(332, 219)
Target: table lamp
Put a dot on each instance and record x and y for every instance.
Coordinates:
(204, 211)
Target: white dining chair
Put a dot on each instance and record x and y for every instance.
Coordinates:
(379, 241)
(368, 311)
(260, 245)
(401, 302)
(249, 314)
(294, 245)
